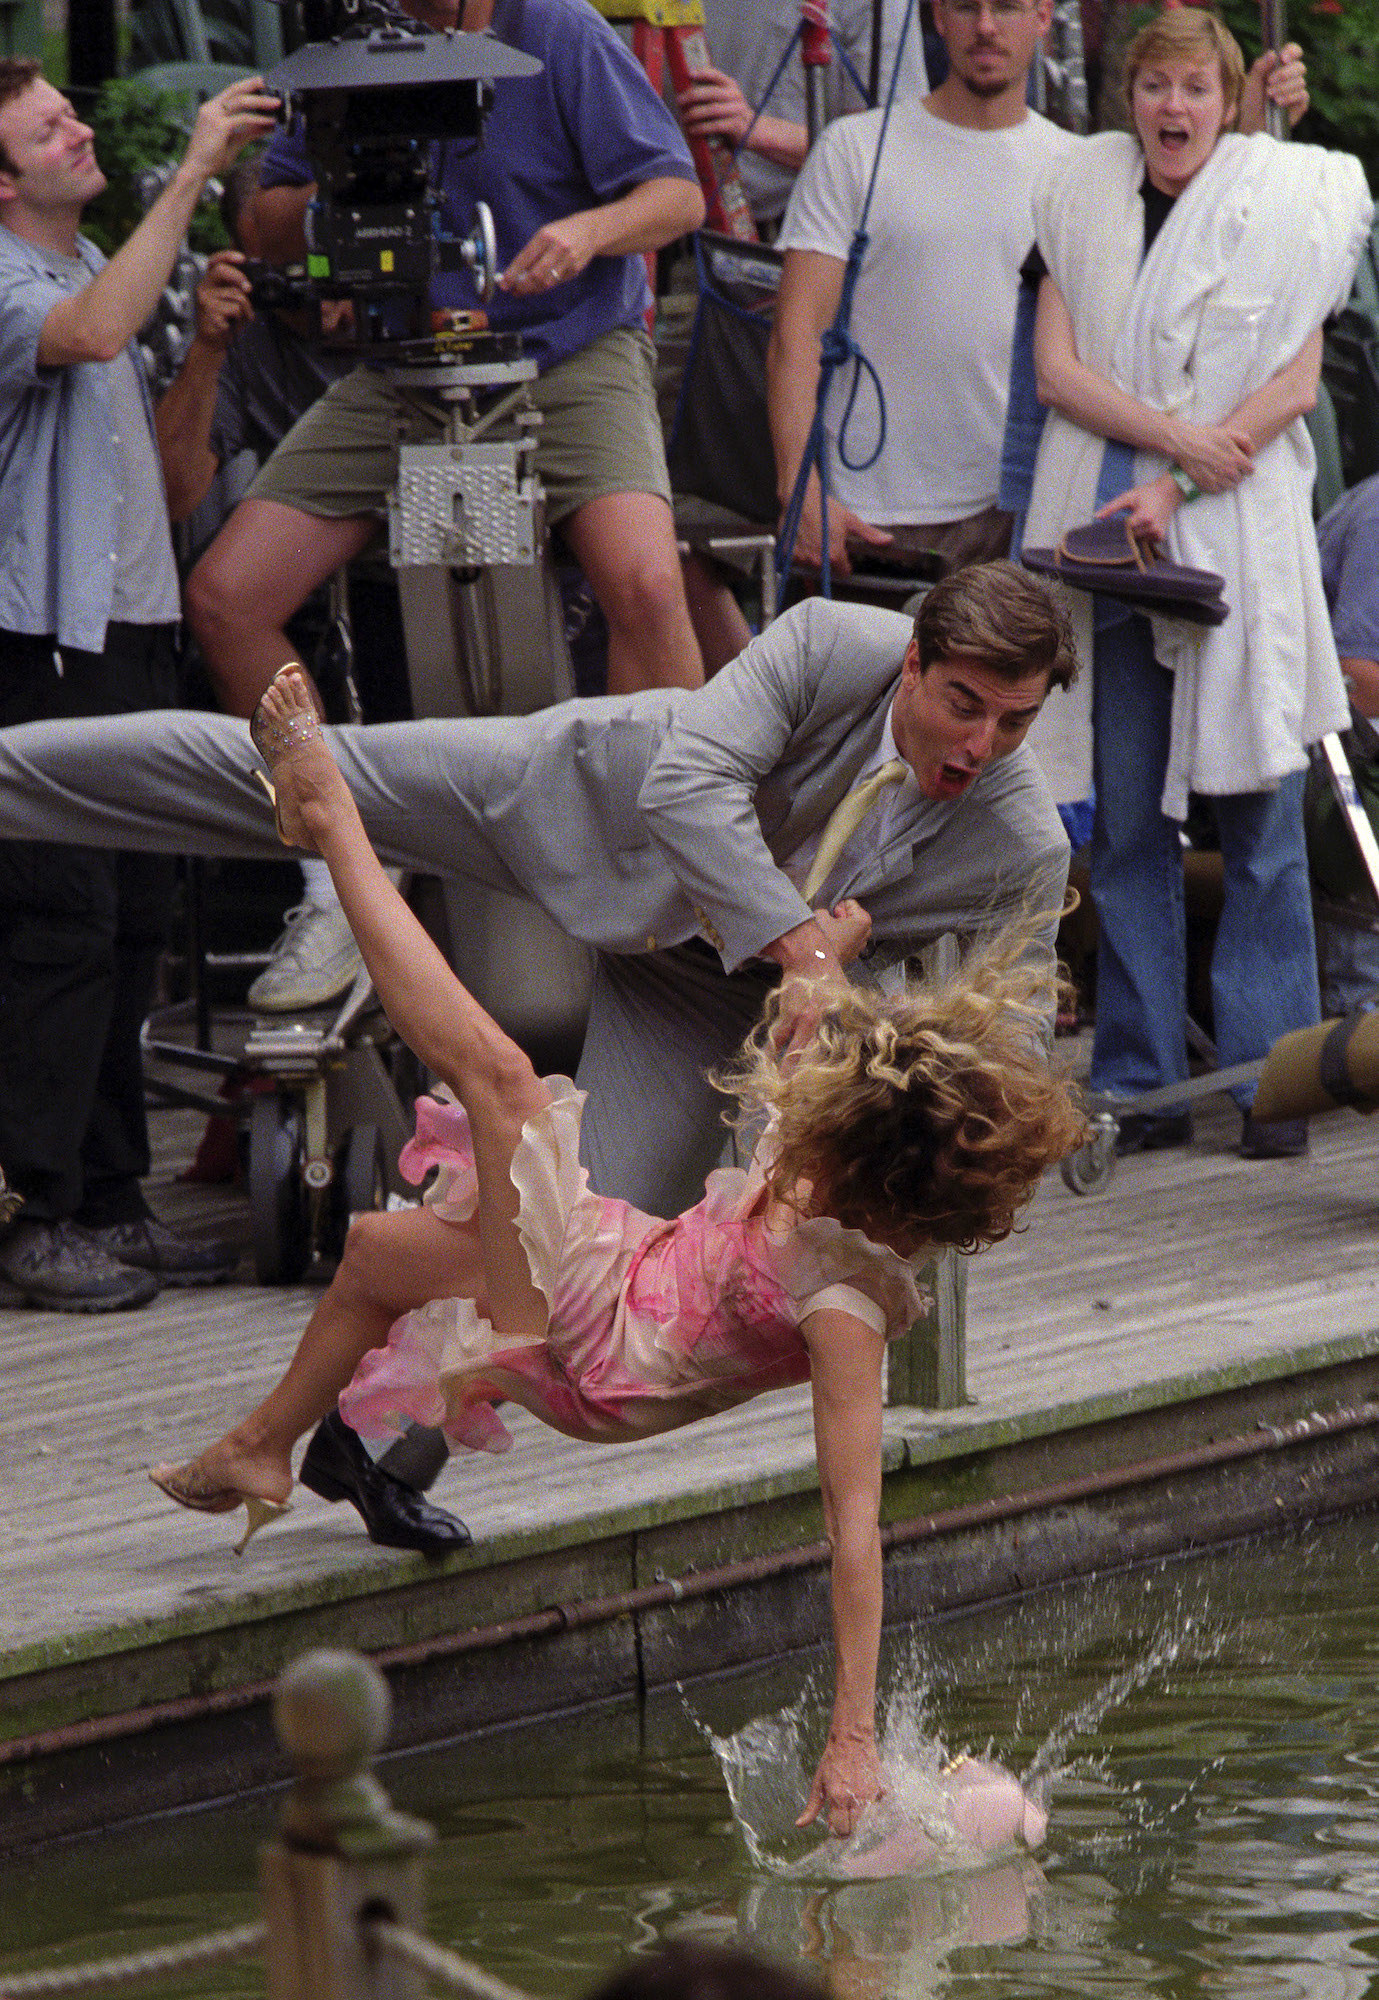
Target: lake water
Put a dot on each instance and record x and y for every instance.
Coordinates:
(1208, 1731)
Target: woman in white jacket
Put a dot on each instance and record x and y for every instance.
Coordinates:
(1184, 275)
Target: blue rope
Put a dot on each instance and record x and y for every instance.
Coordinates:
(835, 349)
(790, 49)
(844, 58)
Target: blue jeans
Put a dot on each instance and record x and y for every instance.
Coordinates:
(1264, 965)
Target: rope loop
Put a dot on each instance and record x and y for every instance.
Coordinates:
(836, 349)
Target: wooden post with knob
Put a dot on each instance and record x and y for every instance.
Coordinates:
(344, 1853)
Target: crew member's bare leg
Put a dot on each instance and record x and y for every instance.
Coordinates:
(715, 614)
(625, 544)
(261, 567)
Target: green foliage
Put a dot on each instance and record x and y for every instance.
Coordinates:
(135, 128)
(1341, 48)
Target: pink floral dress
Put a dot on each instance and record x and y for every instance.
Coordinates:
(652, 1323)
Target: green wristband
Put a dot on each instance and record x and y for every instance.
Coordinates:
(1185, 483)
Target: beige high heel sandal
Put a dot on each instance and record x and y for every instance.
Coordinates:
(273, 740)
(180, 1483)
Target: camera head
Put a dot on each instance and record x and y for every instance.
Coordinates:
(375, 90)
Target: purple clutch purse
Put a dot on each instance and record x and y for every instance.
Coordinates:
(1107, 560)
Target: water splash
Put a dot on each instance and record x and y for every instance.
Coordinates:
(1178, 1640)
(764, 1769)
(767, 1766)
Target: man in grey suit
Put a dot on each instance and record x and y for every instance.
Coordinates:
(662, 828)
(697, 841)
(669, 830)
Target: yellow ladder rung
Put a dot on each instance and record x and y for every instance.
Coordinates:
(660, 13)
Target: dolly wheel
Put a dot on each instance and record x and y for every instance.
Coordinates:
(277, 1193)
(1091, 1165)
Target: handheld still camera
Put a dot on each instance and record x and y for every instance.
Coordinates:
(376, 91)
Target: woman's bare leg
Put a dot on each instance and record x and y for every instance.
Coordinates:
(392, 1264)
(435, 1015)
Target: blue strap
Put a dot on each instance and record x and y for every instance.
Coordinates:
(790, 49)
(846, 60)
(835, 349)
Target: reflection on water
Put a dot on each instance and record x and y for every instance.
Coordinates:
(875, 1938)
(1207, 1733)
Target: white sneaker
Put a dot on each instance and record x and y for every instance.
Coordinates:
(315, 960)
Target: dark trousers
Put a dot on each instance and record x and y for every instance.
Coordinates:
(80, 935)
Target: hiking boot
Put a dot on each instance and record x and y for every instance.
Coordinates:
(60, 1266)
(314, 961)
(1273, 1139)
(149, 1245)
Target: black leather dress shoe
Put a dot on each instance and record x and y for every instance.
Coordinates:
(1152, 1132)
(397, 1517)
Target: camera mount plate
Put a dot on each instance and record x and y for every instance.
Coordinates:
(465, 505)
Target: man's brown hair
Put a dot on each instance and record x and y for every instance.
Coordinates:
(1000, 616)
(16, 75)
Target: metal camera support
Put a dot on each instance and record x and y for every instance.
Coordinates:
(466, 535)
(485, 633)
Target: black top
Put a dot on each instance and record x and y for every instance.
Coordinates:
(1156, 210)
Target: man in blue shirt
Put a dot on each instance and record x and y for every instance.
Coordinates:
(88, 615)
(584, 169)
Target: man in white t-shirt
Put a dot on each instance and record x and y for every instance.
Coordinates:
(934, 308)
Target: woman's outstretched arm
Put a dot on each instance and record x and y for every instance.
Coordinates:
(845, 1358)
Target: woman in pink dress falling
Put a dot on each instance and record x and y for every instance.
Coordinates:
(892, 1126)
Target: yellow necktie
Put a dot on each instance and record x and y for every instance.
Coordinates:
(845, 819)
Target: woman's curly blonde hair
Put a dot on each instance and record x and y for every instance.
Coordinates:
(925, 1118)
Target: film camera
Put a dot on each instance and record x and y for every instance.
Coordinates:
(376, 90)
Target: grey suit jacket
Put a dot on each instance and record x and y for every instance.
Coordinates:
(649, 820)
(638, 821)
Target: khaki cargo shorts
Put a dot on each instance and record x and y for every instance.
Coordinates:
(600, 434)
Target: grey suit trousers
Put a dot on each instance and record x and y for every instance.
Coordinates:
(431, 797)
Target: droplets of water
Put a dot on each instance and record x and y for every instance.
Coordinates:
(767, 1766)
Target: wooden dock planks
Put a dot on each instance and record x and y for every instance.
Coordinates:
(1191, 1269)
